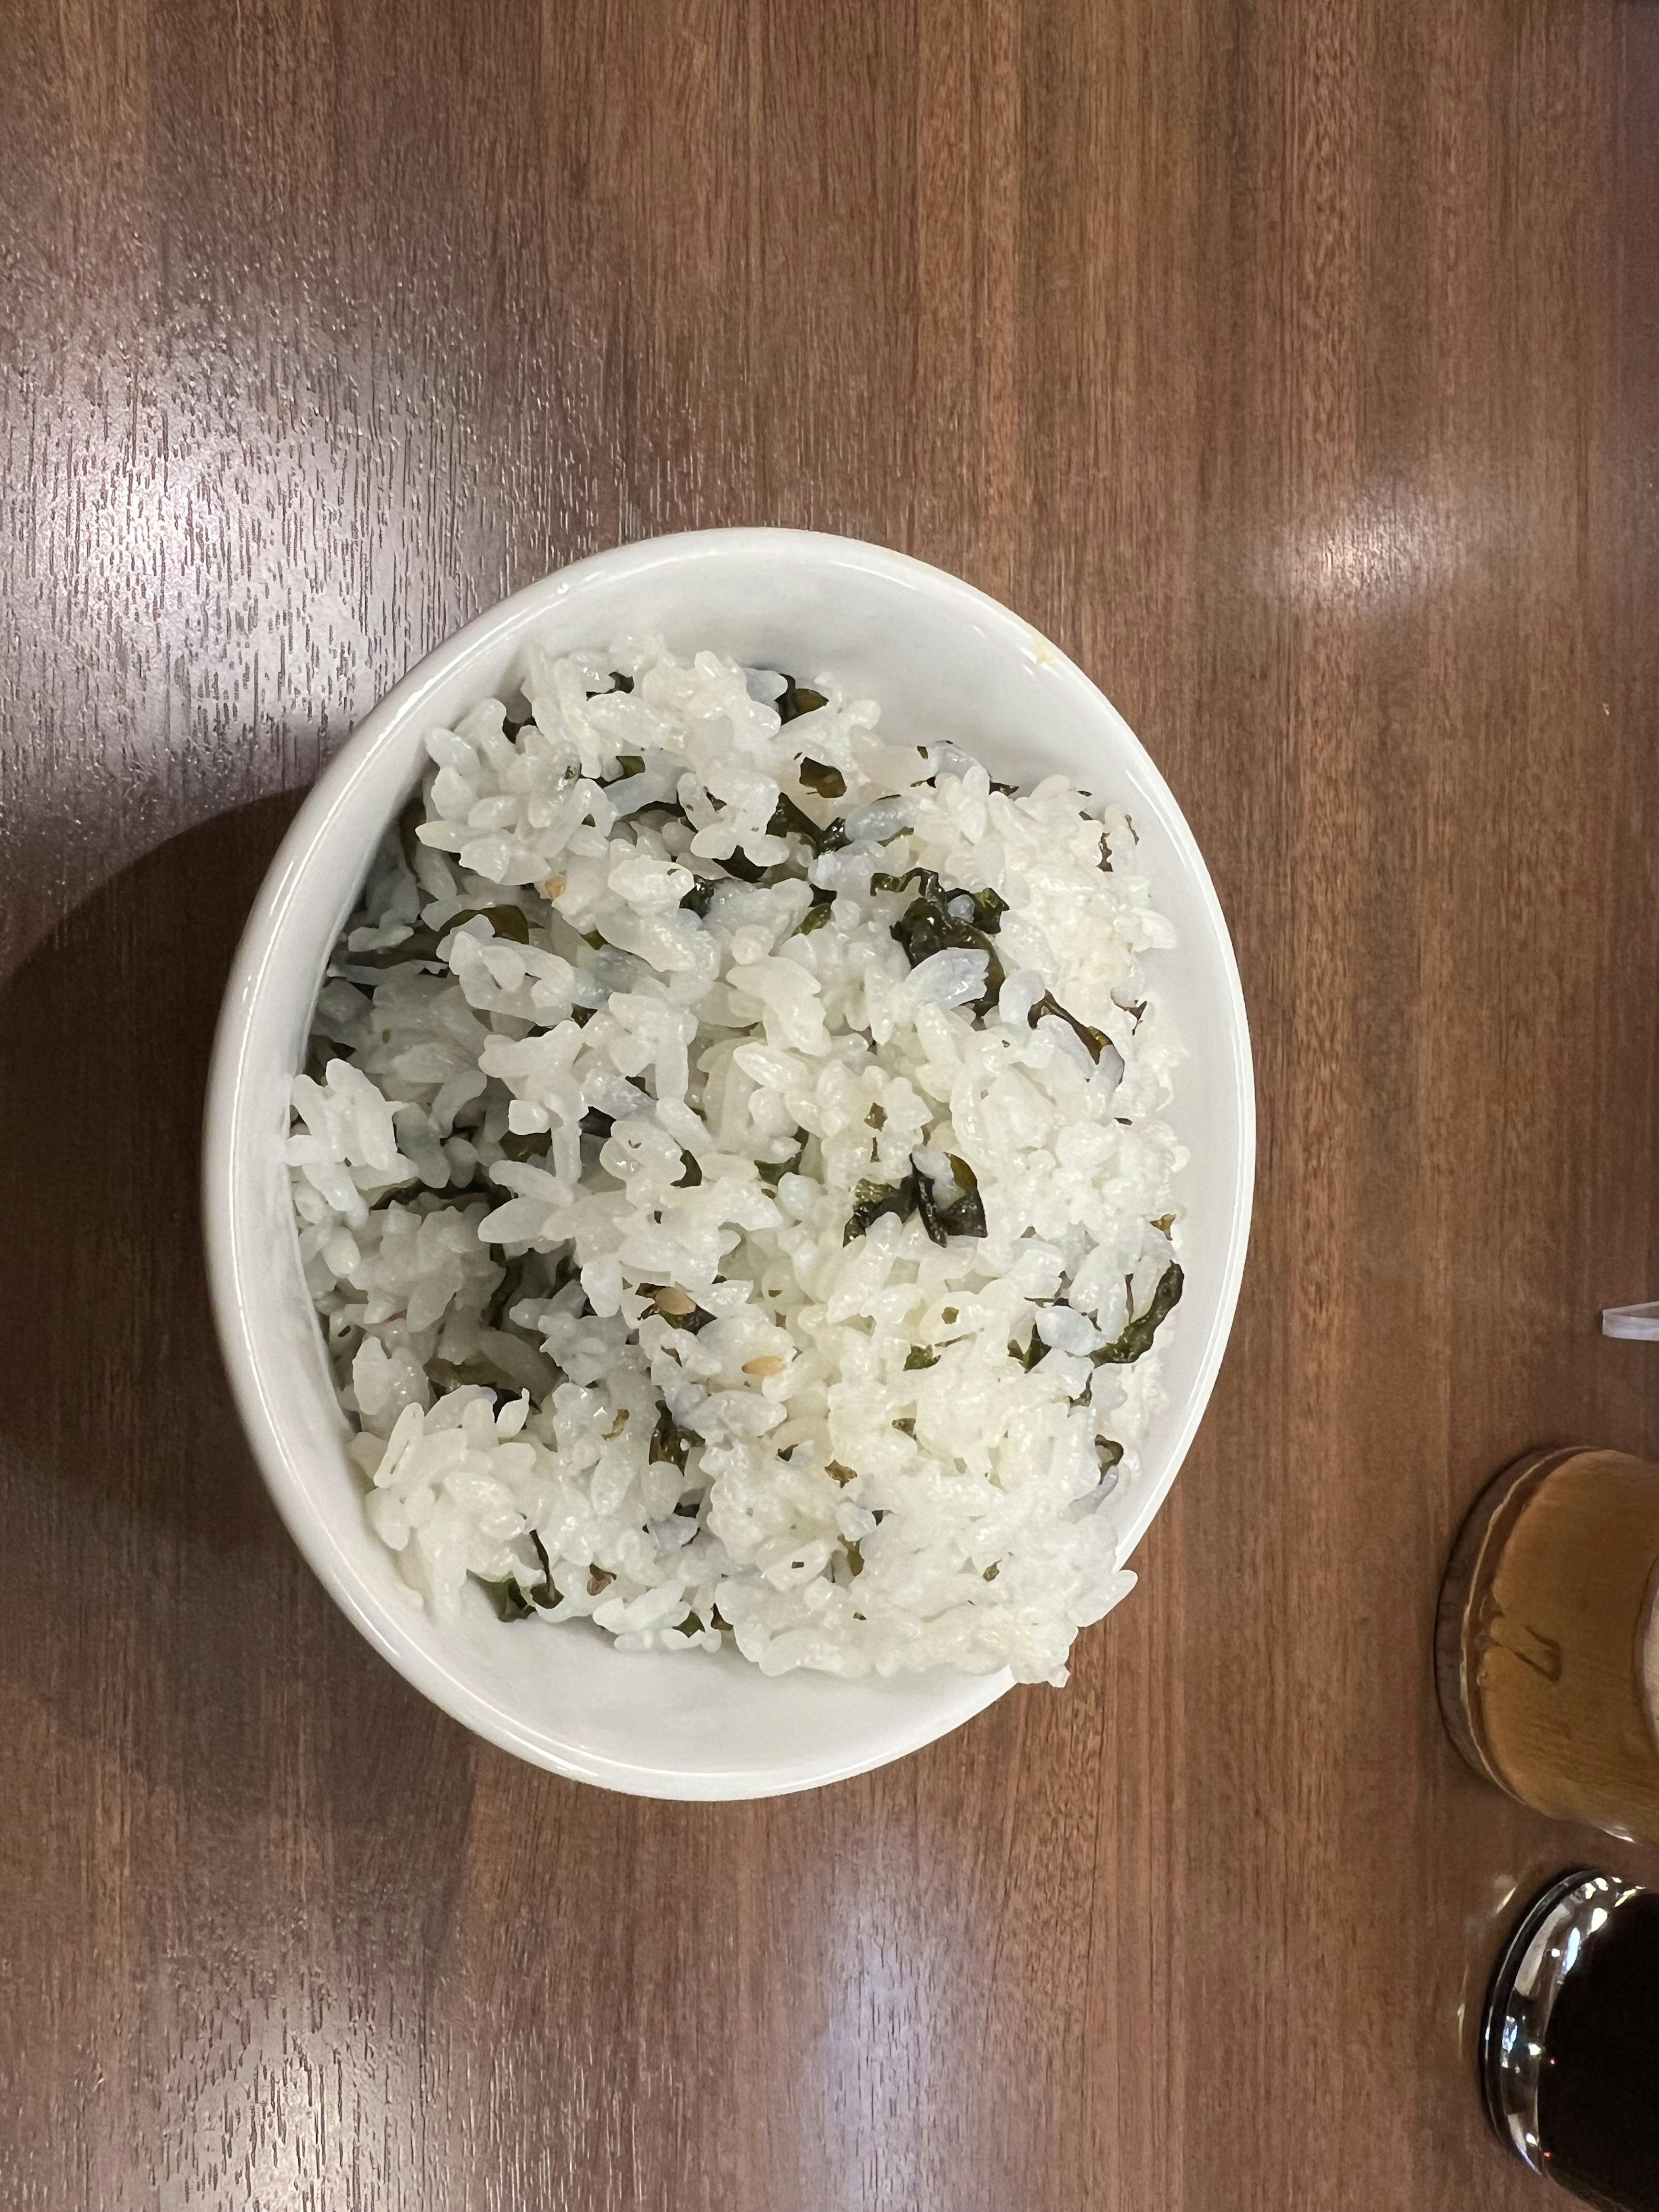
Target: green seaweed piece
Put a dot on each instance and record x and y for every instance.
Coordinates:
(819, 776)
(1138, 1334)
(534, 1146)
(919, 1356)
(964, 1215)
(669, 1441)
(1094, 1042)
(515, 1599)
(738, 863)
(927, 926)
(871, 1199)
(789, 820)
(989, 906)
(796, 699)
(507, 1597)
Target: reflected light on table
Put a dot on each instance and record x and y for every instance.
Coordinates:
(1389, 549)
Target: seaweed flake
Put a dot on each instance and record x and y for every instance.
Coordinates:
(927, 926)
(507, 1597)
(738, 863)
(872, 1200)
(819, 776)
(512, 1598)
(669, 1441)
(533, 1146)
(798, 699)
(1094, 1042)
(964, 1215)
(1138, 1334)
(790, 820)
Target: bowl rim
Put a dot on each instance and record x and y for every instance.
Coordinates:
(227, 1262)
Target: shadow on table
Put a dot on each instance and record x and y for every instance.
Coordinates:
(134, 1513)
(163, 1649)
(105, 1035)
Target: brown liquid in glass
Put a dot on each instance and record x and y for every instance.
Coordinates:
(1544, 1626)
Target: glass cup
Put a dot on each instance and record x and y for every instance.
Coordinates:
(1546, 1648)
(1570, 2040)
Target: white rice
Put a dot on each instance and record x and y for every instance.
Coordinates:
(682, 1378)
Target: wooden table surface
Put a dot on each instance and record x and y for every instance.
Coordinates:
(1292, 363)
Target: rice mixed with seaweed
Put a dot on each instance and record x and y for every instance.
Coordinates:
(731, 1173)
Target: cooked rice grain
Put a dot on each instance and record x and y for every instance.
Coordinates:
(732, 1174)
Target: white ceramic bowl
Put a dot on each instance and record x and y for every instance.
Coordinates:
(944, 660)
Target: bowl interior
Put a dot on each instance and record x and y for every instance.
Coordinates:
(943, 660)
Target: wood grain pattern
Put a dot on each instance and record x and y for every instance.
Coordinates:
(1290, 363)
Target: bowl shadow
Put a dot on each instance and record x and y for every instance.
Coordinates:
(108, 1026)
(144, 1563)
